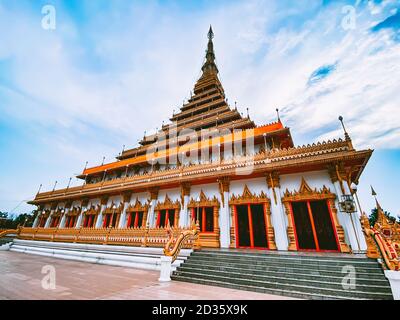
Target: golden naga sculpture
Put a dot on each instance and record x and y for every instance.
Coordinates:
(173, 247)
(382, 240)
(7, 232)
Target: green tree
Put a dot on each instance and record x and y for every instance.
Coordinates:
(374, 216)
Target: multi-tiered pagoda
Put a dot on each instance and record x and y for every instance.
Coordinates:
(247, 185)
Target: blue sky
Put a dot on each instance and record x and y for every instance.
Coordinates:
(113, 69)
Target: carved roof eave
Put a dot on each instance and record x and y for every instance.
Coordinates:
(166, 177)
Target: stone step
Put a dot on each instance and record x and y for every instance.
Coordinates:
(278, 292)
(260, 259)
(300, 288)
(266, 264)
(133, 257)
(272, 256)
(364, 278)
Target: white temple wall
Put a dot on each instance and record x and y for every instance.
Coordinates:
(210, 190)
(76, 203)
(315, 179)
(255, 185)
(143, 197)
(173, 193)
(114, 199)
(93, 202)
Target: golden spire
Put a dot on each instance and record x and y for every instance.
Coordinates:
(209, 66)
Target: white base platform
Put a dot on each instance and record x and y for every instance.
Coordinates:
(124, 256)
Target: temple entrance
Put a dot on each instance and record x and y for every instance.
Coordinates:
(314, 229)
(251, 230)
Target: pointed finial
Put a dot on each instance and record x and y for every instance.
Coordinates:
(55, 184)
(378, 206)
(209, 66)
(248, 116)
(346, 135)
(210, 33)
(69, 182)
(277, 113)
(85, 166)
(123, 149)
(373, 192)
(40, 187)
(102, 162)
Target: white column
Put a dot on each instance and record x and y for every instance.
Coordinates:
(394, 280)
(47, 225)
(150, 214)
(225, 223)
(345, 220)
(355, 216)
(165, 269)
(80, 217)
(64, 217)
(183, 215)
(122, 219)
(99, 221)
(278, 219)
(35, 223)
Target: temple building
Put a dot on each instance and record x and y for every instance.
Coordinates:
(247, 185)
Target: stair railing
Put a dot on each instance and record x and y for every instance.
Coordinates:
(173, 247)
(7, 232)
(386, 249)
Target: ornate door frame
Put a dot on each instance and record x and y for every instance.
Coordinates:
(305, 193)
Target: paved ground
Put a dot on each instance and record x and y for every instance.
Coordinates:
(21, 277)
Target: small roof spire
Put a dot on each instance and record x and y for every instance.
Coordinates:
(346, 135)
(277, 113)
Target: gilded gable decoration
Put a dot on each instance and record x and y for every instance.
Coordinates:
(204, 201)
(138, 206)
(167, 204)
(111, 208)
(249, 197)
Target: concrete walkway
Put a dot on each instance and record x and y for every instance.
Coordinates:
(21, 277)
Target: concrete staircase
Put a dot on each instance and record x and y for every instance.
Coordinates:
(124, 256)
(306, 276)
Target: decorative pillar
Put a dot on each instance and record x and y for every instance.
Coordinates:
(184, 215)
(103, 203)
(36, 221)
(350, 221)
(225, 217)
(126, 198)
(52, 209)
(67, 206)
(277, 214)
(153, 199)
(84, 205)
